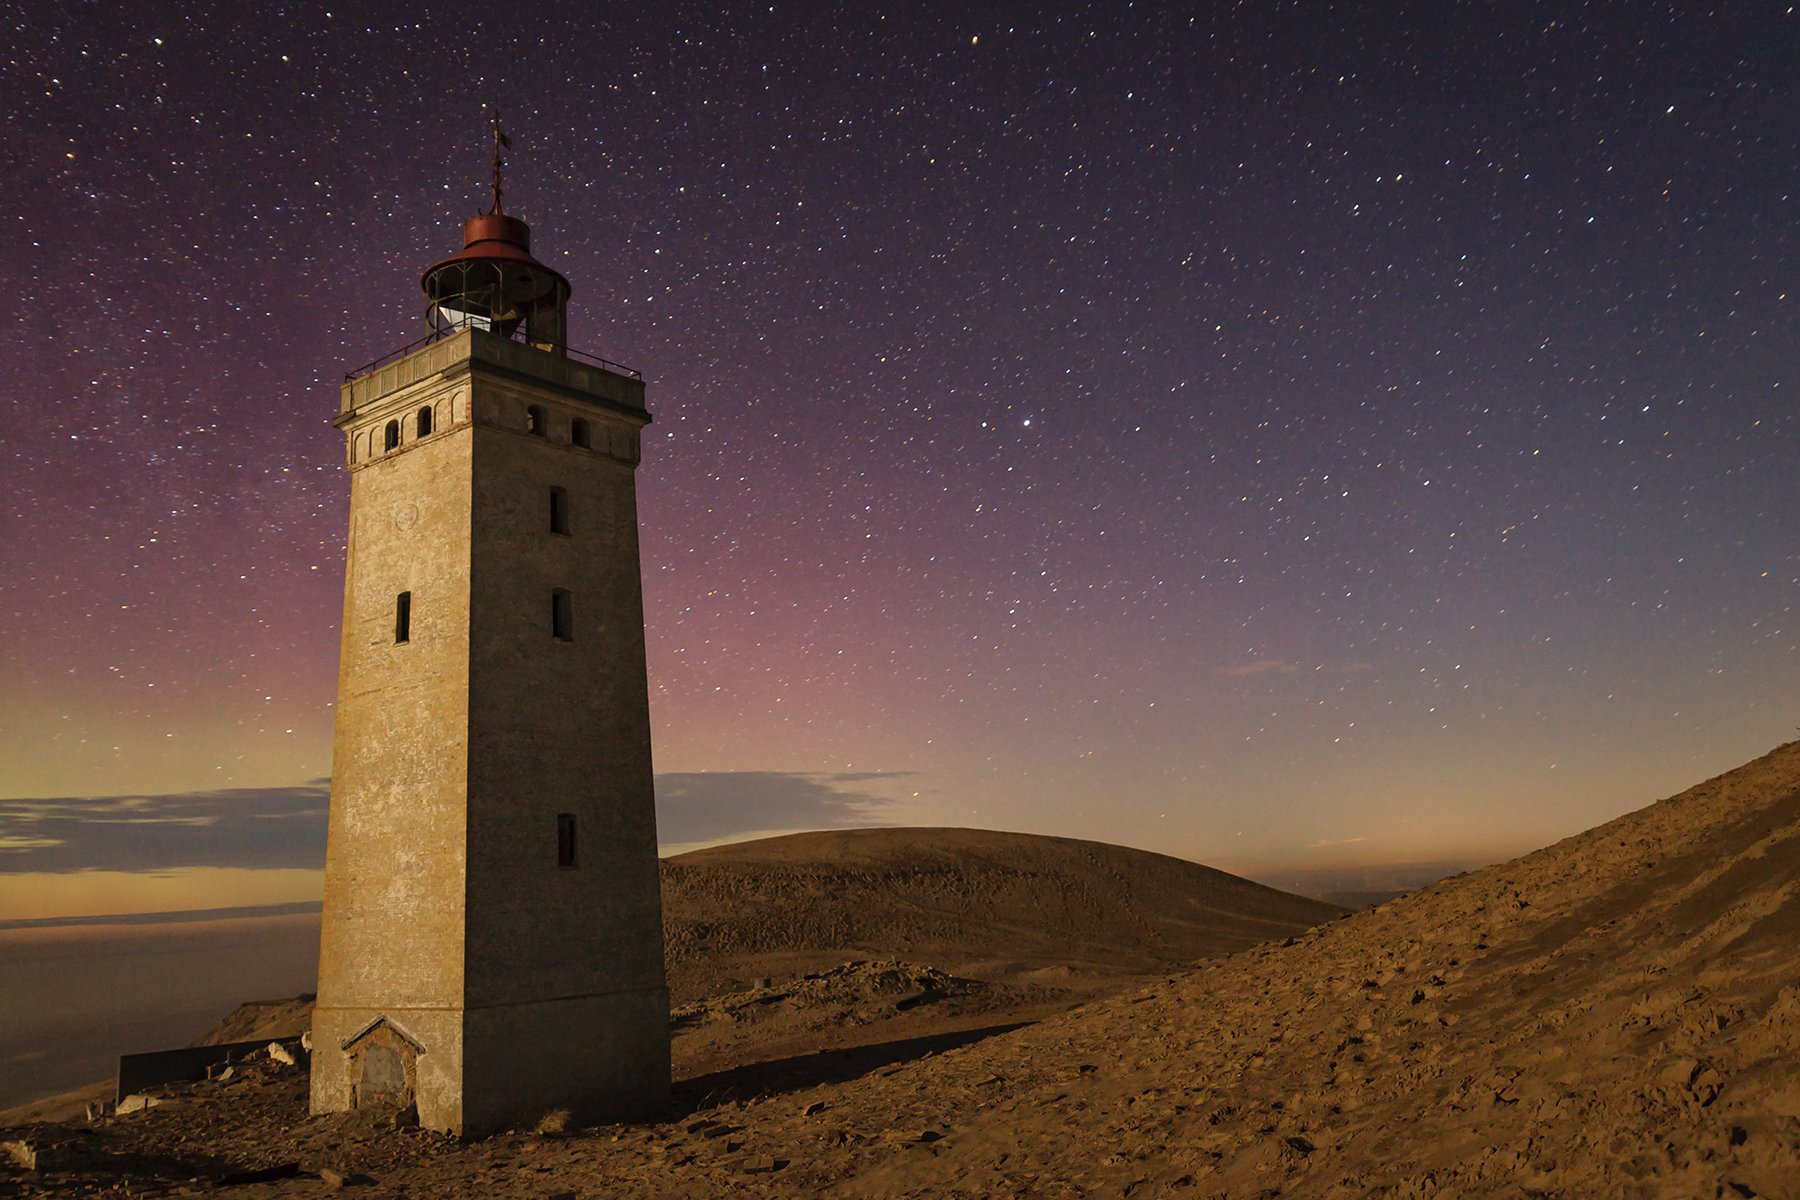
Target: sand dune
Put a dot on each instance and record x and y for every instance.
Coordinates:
(997, 906)
(1618, 1014)
(1615, 1015)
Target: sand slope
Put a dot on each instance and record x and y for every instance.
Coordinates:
(1618, 1014)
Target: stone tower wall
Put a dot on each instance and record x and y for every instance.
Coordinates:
(565, 964)
(458, 954)
(392, 938)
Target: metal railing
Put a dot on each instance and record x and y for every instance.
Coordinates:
(609, 364)
(374, 365)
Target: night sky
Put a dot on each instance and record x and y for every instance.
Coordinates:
(1292, 436)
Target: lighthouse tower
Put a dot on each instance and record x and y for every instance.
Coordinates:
(492, 942)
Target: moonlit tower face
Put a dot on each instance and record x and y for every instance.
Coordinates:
(492, 942)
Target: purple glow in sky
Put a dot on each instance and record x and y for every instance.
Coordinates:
(1286, 436)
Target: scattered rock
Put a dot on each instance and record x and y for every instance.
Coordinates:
(137, 1102)
(764, 1164)
(1706, 1085)
(817, 1106)
(333, 1179)
(1680, 1071)
(21, 1154)
(281, 1054)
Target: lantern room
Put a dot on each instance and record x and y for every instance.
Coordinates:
(495, 284)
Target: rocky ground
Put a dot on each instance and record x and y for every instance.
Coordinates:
(1615, 1015)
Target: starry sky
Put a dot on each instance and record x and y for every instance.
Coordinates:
(1301, 437)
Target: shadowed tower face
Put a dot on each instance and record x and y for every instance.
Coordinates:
(492, 940)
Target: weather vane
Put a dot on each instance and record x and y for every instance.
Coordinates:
(501, 142)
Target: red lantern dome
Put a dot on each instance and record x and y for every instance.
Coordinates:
(494, 284)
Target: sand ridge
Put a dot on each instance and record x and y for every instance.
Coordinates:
(1001, 906)
(1617, 1014)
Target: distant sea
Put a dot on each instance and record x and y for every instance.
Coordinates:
(74, 995)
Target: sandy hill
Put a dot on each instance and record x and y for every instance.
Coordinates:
(1617, 1015)
(998, 906)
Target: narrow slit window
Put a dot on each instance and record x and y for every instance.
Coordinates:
(537, 421)
(562, 615)
(403, 617)
(559, 510)
(580, 434)
(424, 422)
(391, 439)
(565, 839)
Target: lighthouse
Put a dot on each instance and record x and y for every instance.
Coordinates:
(491, 947)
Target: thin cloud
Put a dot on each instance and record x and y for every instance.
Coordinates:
(1324, 842)
(711, 805)
(235, 827)
(1277, 666)
(267, 828)
(1261, 666)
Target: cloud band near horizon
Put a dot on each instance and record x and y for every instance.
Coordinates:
(273, 828)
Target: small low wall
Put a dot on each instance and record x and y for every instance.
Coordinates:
(140, 1071)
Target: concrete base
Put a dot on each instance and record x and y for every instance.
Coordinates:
(478, 1071)
(425, 1044)
(604, 1058)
